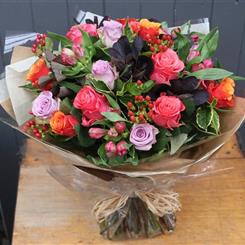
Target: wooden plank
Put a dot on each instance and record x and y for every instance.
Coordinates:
(122, 9)
(229, 17)
(192, 10)
(94, 6)
(213, 209)
(50, 15)
(161, 10)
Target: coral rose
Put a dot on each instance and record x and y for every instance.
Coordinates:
(63, 124)
(223, 92)
(167, 111)
(166, 66)
(91, 104)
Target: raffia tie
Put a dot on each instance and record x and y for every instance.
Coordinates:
(158, 203)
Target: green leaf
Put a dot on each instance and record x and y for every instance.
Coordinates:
(128, 32)
(76, 113)
(210, 74)
(215, 124)
(211, 41)
(49, 44)
(134, 89)
(83, 138)
(88, 45)
(112, 101)
(66, 105)
(190, 106)
(113, 116)
(29, 87)
(186, 27)
(102, 154)
(99, 86)
(64, 42)
(164, 24)
(182, 44)
(162, 141)
(237, 78)
(71, 71)
(176, 142)
(204, 117)
(72, 86)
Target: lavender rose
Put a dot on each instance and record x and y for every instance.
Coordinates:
(102, 70)
(143, 136)
(44, 105)
(110, 32)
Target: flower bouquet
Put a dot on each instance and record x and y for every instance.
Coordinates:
(131, 105)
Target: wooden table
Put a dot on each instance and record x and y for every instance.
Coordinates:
(213, 211)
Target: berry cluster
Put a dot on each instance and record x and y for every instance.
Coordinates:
(39, 43)
(140, 109)
(160, 43)
(37, 130)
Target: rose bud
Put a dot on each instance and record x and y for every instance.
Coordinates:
(208, 63)
(96, 133)
(68, 57)
(112, 132)
(78, 50)
(120, 127)
(111, 149)
(121, 148)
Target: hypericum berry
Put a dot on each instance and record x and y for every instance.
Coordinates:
(130, 104)
(148, 98)
(38, 135)
(140, 98)
(130, 113)
(45, 127)
(39, 36)
(132, 118)
(150, 105)
(152, 48)
(35, 130)
(139, 83)
(110, 149)
(141, 117)
(122, 148)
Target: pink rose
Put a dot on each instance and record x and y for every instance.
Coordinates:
(102, 70)
(91, 104)
(110, 32)
(166, 111)
(89, 28)
(208, 63)
(75, 35)
(68, 57)
(166, 66)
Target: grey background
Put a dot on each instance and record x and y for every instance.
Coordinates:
(57, 15)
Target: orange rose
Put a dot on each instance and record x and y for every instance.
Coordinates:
(63, 124)
(38, 69)
(149, 24)
(223, 92)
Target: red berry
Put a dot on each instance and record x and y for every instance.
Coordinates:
(130, 104)
(44, 35)
(152, 48)
(34, 46)
(132, 118)
(150, 105)
(158, 41)
(141, 117)
(148, 98)
(33, 50)
(45, 127)
(28, 124)
(35, 130)
(32, 122)
(140, 98)
(39, 36)
(38, 135)
(139, 83)
(130, 113)
(136, 97)
(163, 48)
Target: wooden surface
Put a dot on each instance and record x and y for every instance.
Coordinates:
(213, 207)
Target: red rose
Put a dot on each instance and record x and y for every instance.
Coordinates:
(63, 124)
(223, 92)
(166, 66)
(166, 111)
(91, 104)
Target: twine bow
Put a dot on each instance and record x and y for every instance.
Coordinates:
(158, 203)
